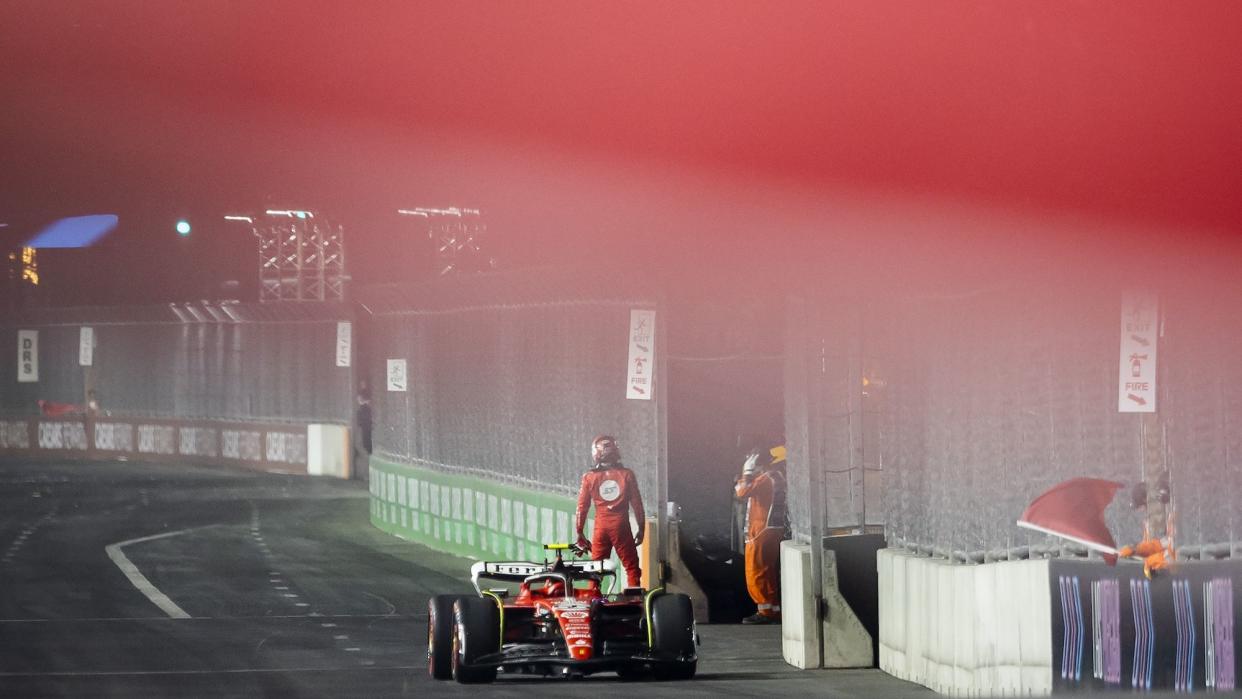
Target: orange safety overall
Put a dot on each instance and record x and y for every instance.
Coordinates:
(763, 538)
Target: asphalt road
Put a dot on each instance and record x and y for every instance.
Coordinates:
(128, 580)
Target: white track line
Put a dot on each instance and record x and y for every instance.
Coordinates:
(139, 580)
(72, 620)
(238, 671)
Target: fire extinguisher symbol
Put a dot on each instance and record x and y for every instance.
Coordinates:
(1136, 365)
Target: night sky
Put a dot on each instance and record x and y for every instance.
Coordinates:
(755, 139)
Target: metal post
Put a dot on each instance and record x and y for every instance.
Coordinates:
(811, 375)
(818, 497)
(857, 464)
(661, 400)
(88, 383)
(1152, 432)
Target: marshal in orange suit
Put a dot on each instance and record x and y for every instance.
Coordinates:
(764, 493)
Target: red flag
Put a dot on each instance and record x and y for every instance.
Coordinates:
(1074, 510)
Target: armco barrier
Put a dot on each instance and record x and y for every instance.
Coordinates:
(272, 447)
(466, 515)
(473, 517)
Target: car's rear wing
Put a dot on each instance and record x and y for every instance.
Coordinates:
(518, 571)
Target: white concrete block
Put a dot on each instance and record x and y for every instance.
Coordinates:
(966, 630)
(327, 450)
(891, 621)
(799, 633)
(1037, 631)
(964, 659)
(918, 606)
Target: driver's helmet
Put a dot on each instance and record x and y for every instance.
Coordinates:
(604, 451)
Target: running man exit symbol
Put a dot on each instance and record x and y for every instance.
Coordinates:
(397, 375)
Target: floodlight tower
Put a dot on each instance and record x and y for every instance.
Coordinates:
(301, 256)
(457, 235)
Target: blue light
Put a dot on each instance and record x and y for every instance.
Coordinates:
(73, 232)
(183, 227)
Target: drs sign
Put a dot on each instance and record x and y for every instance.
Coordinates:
(27, 356)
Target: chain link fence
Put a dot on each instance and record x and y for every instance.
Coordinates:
(272, 362)
(1203, 423)
(510, 376)
(942, 418)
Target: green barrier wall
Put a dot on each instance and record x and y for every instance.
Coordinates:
(466, 515)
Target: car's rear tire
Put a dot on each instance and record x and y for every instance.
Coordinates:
(476, 632)
(440, 636)
(672, 636)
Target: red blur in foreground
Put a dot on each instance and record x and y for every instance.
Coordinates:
(52, 409)
(1126, 110)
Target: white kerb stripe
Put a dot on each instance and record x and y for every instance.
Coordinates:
(139, 580)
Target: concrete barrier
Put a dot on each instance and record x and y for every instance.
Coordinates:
(847, 643)
(1038, 627)
(328, 450)
(966, 630)
(800, 630)
(678, 576)
(830, 637)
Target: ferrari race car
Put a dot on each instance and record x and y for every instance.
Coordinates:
(560, 620)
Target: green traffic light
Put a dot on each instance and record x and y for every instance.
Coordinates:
(183, 227)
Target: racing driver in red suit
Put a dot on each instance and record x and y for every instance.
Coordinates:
(614, 491)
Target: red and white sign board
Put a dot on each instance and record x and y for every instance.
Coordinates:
(1136, 387)
(641, 367)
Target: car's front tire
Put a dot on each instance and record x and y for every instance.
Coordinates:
(440, 636)
(476, 632)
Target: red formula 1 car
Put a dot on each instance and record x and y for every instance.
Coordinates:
(560, 620)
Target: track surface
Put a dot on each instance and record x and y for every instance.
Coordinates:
(288, 592)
